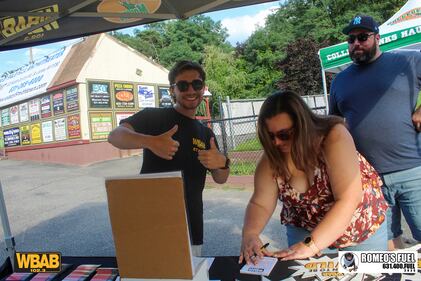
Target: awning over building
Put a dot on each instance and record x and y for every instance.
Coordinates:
(26, 23)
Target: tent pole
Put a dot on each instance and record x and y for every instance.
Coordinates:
(8, 238)
(325, 91)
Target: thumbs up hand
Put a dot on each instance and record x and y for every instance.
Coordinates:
(212, 159)
(164, 145)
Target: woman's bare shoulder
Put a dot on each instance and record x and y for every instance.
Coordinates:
(338, 133)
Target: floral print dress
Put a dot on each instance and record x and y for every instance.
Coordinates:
(307, 209)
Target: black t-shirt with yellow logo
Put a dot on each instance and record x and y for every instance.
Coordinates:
(192, 136)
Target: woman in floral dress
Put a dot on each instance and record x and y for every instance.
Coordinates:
(331, 196)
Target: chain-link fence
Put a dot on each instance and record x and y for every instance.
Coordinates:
(237, 137)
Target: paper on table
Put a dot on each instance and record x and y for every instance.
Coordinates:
(263, 267)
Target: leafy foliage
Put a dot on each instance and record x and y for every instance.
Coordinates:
(301, 67)
(224, 78)
(281, 54)
(170, 41)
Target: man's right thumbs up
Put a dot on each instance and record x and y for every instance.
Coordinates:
(164, 145)
(172, 131)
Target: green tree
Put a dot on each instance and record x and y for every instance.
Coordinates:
(260, 53)
(169, 41)
(301, 67)
(224, 78)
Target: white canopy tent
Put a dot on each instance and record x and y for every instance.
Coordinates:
(402, 31)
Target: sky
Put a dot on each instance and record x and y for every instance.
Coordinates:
(240, 23)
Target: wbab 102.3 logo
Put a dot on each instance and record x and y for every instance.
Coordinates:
(378, 262)
(37, 262)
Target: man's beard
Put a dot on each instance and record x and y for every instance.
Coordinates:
(365, 57)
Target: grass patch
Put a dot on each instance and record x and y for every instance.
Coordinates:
(242, 168)
(249, 145)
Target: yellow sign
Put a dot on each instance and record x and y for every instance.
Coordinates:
(36, 133)
(9, 26)
(37, 262)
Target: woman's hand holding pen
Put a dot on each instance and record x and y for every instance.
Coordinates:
(252, 249)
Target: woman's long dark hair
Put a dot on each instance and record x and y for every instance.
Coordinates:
(309, 131)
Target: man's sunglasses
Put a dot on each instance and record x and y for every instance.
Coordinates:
(283, 135)
(362, 37)
(183, 85)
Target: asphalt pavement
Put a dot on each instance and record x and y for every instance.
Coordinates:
(64, 208)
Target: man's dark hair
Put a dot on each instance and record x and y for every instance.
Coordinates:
(182, 66)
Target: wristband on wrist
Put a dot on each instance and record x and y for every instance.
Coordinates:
(227, 163)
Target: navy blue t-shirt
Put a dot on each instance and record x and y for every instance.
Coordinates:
(192, 136)
(377, 101)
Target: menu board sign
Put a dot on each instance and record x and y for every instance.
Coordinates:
(123, 94)
(60, 129)
(36, 133)
(5, 117)
(1, 139)
(120, 116)
(99, 94)
(72, 99)
(164, 96)
(146, 95)
(11, 137)
(73, 126)
(58, 103)
(25, 135)
(14, 114)
(47, 131)
(46, 106)
(101, 125)
(34, 109)
(23, 112)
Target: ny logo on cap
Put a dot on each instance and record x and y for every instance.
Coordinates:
(357, 20)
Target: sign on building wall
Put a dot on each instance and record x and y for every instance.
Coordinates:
(25, 135)
(46, 106)
(11, 137)
(164, 96)
(101, 125)
(120, 116)
(47, 131)
(1, 139)
(58, 103)
(123, 94)
(73, 126)
(60, 129)
(14, 114)
(34, 109)
(5, 117)
(36, 133)
(23, 112)
(30, 80)
(146, 95)
(72, 99)
(99, 94)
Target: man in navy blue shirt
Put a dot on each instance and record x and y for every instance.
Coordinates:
(377, 96)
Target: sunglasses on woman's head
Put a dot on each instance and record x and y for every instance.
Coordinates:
(283, 135)
(183, 85)
(362, 37)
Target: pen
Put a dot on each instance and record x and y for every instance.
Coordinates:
(264, 246)
(261, 248)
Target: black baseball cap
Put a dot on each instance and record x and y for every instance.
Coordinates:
(364, 22)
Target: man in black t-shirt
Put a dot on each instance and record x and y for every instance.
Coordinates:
(173, 139)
